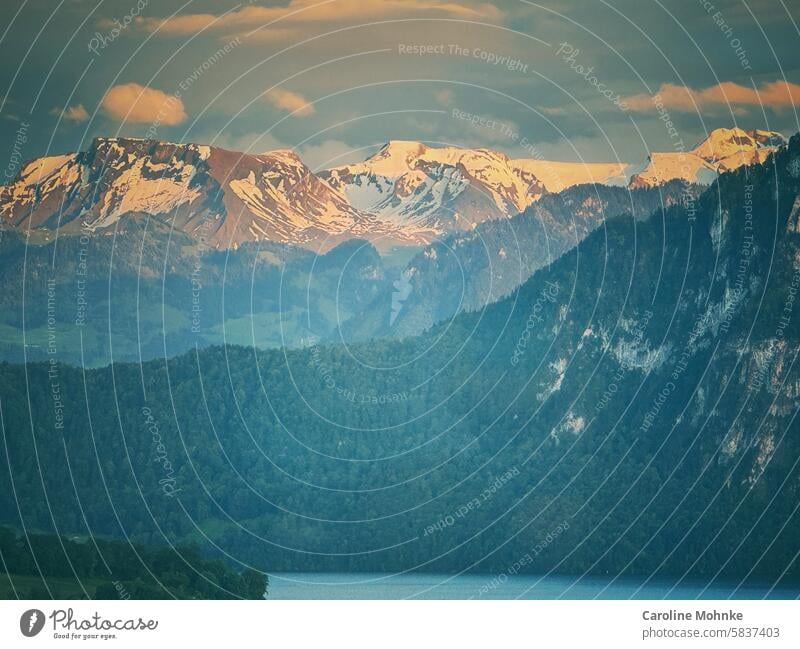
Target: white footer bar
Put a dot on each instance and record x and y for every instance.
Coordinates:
(400, 624)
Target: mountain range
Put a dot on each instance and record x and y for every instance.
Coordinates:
(628, 410)
(163, 247)
(408, 193)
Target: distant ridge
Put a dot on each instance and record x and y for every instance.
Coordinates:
(407, 193)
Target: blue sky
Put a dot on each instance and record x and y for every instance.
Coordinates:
(335, 79)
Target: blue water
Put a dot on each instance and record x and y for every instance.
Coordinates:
(423, 586)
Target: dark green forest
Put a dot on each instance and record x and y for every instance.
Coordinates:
(46, 566)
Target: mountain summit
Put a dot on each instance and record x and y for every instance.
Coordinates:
(436, 189)
(723, 150)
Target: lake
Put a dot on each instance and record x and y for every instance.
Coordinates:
(426, 586)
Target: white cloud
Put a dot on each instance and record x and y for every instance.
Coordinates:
(133, 103)
(72, 113)
(290, 101)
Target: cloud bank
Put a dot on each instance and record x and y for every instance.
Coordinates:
(777, 95)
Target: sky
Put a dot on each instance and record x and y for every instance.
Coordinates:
(335, 79)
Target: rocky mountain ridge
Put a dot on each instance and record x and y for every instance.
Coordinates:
(408, 193)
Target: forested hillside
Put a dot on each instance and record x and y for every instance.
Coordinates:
(631, 409)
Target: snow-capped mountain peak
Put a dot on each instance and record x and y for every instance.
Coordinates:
(722, 150)
(436, 188)
(724, 142)
(396, 157)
